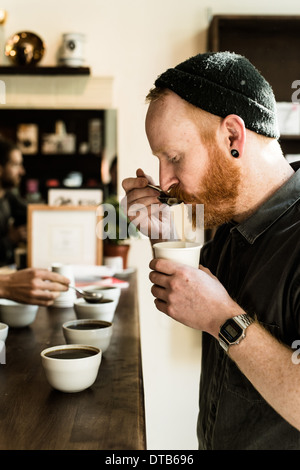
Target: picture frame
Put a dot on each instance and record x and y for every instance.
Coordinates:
(75, 196)
(64, 234)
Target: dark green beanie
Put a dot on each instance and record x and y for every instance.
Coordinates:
(223, 83)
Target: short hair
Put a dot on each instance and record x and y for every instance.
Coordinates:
(155, 93)
(6, 147)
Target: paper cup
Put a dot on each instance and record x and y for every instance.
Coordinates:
(67, 298)
(187, 253)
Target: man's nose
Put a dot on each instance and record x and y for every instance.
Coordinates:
(167, 177)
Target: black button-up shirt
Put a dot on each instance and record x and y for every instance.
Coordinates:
(258, 262)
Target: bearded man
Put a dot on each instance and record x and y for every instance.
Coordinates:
(212, 124)
(13, 209)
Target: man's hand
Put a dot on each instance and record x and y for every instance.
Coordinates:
(191, 296)
(151, 217)
(33, 286)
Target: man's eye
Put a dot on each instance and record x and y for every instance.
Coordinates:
(174, 159)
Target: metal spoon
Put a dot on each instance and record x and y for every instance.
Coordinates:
(91, 297)
(164, 197)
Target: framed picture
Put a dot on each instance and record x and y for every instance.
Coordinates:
(74, 197)
(63, 234)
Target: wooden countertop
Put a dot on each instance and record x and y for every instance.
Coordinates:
(108, 416)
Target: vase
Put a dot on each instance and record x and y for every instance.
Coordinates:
(111, 250)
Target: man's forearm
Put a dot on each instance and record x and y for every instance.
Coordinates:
(4, 283)
(269, 366)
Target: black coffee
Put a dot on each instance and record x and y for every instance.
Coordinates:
(87, 326)
(103, 288)
(70, 353)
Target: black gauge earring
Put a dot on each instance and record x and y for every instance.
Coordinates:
(235, 153)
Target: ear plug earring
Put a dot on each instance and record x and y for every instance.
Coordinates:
(235, 153)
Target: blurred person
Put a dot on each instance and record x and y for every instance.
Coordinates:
(113, 171)
(13, 209)
(212, 124)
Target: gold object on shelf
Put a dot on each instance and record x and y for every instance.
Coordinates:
(25, 48)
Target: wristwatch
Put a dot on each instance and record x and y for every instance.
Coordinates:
(234, 330)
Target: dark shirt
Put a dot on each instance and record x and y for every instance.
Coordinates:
(13, 210)
(258, 262)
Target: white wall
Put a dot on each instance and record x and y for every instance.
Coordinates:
(134, 41)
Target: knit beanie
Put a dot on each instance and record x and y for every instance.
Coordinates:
(223, 83)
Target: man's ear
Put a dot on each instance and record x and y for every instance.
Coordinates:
(234, 131)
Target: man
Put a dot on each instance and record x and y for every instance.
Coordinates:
(34, 286)
(212, 124)
(12, 208)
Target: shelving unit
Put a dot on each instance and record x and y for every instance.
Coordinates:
(56, 166)
(47, 70)
(272, 44)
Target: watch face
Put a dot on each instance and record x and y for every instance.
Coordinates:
(231, 331)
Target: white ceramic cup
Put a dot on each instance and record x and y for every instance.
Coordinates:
(2, 352)
(72, 49)
(114, 262)
(64, 270)
(95, 333)
(17, 315)
(67, 298)
(187, 253)
(71, 375)
(3, 331)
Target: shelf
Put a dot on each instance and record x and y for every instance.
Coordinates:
(47, 70)
(61, 155)
(289, 137)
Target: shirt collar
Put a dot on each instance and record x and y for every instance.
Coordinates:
(271, 210)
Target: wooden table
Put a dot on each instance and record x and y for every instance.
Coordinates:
(108, 416)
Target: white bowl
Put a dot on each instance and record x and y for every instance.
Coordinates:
(96, 333)
(17, 315)
(3, 331)
(2, 352)
(108, 292)
(71, 375)
(103, 311)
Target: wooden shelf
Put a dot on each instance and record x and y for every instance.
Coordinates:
(47, 70)
(290, 137)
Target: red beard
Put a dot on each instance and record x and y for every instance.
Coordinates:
(218, 193)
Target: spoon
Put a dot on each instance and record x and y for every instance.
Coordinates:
(164, 197)
(91, 297)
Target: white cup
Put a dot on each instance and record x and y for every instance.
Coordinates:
(187, 253)
(67, 298)
(64, 269)
(2, 352)
(114, 262)
(3, 332)
(72, 49)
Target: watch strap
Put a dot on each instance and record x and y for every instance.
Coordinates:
(244, 320)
